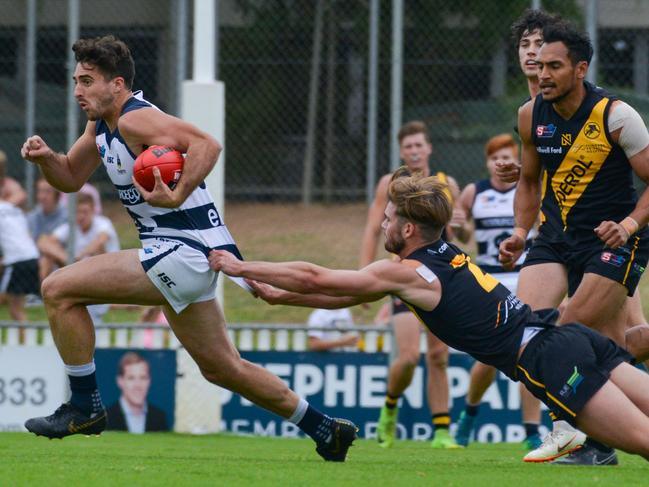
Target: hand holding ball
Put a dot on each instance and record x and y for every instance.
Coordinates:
(167, 159)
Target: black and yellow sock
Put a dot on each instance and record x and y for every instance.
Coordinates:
(391, 401)
(441, 420)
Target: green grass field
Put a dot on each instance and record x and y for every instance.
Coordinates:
(161, 459)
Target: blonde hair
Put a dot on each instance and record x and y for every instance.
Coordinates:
(420, 200)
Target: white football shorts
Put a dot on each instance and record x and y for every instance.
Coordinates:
(181, 273)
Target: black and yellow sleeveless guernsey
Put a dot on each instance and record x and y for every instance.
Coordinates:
(491, 327)
(478, 315)
(589, 177)
(589, 180)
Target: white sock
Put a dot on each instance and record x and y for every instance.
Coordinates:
(299, 412)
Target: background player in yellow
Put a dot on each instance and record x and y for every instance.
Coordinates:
(415, 150)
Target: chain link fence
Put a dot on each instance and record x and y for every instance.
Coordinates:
(298, 81)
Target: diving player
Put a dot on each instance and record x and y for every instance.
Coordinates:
(582, 376)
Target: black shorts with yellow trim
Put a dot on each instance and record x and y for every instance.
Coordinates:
(625, 264)
(545, 250)
(565, 366)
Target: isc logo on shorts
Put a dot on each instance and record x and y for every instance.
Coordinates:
(166, 279)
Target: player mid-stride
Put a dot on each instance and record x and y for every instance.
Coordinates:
(177, 229)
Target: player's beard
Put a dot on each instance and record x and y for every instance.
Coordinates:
(103, 104)
(394, 244)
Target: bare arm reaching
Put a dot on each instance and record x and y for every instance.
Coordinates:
(368, 284)
(66, 172)
(527, 201)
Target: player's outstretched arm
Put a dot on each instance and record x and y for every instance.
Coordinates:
(273, 295)
(66, 172)
(150, 126)
(378, 279)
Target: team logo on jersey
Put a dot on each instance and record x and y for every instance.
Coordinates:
(102, 150)
(442, 248)
(610, 258)
(591, 148)
(592, 130)
(546, 131)
(570, 387)
(129, 195)
(566, 139)
(120, 169)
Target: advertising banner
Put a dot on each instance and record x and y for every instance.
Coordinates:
(137, 388)
(353, 385)
(32, 383)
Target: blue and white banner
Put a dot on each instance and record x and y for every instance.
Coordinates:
(353, 385)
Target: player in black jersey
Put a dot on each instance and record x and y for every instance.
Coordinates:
(415, 149)
(581, 375)
(594, 241)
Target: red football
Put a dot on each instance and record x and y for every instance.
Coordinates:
(167, 159)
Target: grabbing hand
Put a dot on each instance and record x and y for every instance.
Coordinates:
(222, 260)
(160, 196)
(510, 251)
(613, 234)
(508, 172)
(268, 293)
(35, 150)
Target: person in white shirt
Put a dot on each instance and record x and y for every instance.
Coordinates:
(323, 334)
(94, 235)
(19, 258)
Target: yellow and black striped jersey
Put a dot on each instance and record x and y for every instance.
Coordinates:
(589, 178)
(491, 327)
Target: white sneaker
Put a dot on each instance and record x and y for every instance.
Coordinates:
(562, 440)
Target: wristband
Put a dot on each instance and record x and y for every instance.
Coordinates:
(630, 225)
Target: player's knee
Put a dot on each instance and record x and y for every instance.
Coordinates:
(53, 291)
(437, 357)
(409, 358)
(226, 373)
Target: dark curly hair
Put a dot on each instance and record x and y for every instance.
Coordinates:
(109, 54)
(531, 20)
(578, 43)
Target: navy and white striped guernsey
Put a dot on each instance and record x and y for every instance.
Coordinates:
(196, 222)
(493, 215)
